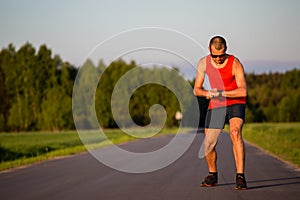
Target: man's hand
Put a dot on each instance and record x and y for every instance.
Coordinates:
(212, 93)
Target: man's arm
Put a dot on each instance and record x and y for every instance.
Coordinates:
(238, 72)
(198, 87)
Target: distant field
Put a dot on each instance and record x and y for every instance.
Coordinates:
(280, 139)
(18, 149)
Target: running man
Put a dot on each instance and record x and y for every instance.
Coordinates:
(227, 104)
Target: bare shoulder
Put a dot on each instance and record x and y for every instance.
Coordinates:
(202, 65)
(236, 61)
(237, 66)
(201, 70)
(238, 72)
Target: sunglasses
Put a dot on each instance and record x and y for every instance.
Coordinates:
(218, 56)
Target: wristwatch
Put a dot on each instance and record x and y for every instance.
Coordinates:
(220, 93)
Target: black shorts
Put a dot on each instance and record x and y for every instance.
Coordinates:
(217, 117)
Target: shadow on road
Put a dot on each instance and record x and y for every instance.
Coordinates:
(269, 182)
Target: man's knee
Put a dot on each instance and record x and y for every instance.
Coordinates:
(235, 134)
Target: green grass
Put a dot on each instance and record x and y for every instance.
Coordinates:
(279, 139)
(18, 149)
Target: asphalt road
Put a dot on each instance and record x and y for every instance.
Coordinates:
(84, 177)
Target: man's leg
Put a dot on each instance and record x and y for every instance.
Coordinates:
(238, 151)
(210, 141)
(238, 146)
(214, 124)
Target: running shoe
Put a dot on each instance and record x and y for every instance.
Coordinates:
(210, 180)
(241, 183)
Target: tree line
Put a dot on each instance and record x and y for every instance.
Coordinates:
(273, 97)
(130, 91)
(36, 93)
(35, 89)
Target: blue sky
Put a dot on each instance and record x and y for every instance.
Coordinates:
(263, 34)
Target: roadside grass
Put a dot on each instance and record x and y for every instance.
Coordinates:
(279, 139)
(19, 149)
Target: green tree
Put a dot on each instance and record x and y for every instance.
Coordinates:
(269, 95)
(84, 92)
(57, 103)
(291, 80)
(27, 78)
(6, 91)
(21, 115)
(44, 73)
(289, 108)
(107, 82)
(56, 110)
